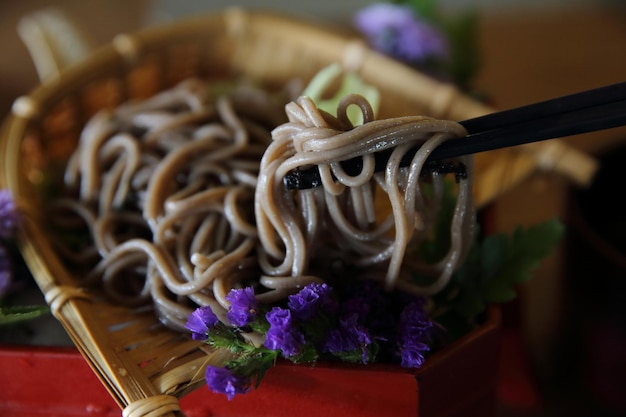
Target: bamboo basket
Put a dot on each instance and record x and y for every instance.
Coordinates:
(146, 367)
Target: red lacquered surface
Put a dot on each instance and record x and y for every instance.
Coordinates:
(459, 381)
(50, 382)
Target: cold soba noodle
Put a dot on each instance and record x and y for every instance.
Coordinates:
(183, 199)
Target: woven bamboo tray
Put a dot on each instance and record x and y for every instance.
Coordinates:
(146, 367)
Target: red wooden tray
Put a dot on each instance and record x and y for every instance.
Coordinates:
(465, 379)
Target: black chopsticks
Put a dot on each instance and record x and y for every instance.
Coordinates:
(583, 112)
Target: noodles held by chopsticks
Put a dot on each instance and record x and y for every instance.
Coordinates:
(182, 199)
(337, 220)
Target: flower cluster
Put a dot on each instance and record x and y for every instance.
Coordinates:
(10, 262)
(416, 33)
(396, 30)
(356, 323)
(415, 326)
(8, 226)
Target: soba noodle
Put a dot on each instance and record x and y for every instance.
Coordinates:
(182, 199)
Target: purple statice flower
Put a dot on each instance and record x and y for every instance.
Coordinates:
(414, 317)
(8, 215)
(224, 381)
(6, 274)
(358, 305)
(200, 321)
(370, 302)
(243, 306)
(395, 30)
(348, 337)
(366, 291)
(282, 334)
(415, 331)
(310, 299)
(412, 355)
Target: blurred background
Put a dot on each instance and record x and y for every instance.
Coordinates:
(104, 19)
(570, 318)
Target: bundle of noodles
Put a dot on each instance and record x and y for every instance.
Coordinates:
(182, 199)
(338, 221)
(164, 190)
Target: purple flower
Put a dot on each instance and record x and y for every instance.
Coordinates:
(349, 336)
(359, 305)
(412, 356)
(396, 31)
(8, 215)
(371, 303)
(200, 321)
(310, 299)
(279, 317)
(6, 275)
(224, 381)
(243, 306)
(414, 319)
(282, 334)
(415, 331)
(363, 297)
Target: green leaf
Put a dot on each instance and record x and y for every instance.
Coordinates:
(265, 360)
(253, 365)
(497, 265)
(15, 314)
(350, 83)
(520, 256)
(308, 355)
(356, 356)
